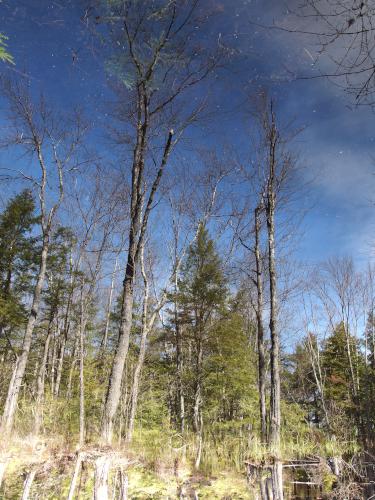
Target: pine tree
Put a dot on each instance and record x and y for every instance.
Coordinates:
(17, 255)
(201, 295)
(336, 365)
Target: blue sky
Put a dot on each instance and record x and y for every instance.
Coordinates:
(49, 41)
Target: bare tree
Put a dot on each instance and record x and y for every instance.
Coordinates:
(272, 137)
(162, 64)
(260, 327)
(35, 130)
(342, 36)
(276, 188)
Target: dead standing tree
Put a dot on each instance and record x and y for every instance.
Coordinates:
(161, 62)
(275, 180)
(255, 218)
(53, 144)
(272, 137)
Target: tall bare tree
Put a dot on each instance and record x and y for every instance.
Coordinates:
(162, 62)
(52, 146)
(276, 187)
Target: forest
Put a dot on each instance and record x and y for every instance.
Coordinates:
(177, 317)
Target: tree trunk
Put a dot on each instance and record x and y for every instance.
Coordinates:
(179, 361)
(27, 485)
(141, 357)
(102, 466)
(197, 416)
(109, 306)
(82, 328)
(60, 363)
(66, 328)
(260, 329)
(114, 386)
(53, 362)
(41, 379)
(198, 455)
(72, 365)
(137, 231)
(275, 427)
(198, 385)
(19, 370)
(124, 484)
(74, 480)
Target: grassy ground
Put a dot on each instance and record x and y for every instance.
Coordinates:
(157, 479)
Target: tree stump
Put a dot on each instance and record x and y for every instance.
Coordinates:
(102, 466)
(27, 484)
(74, 480)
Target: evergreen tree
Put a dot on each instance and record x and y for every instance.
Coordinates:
(300, 383)
(18, 250)
(340, 355)
(230, 389)
(202, 294)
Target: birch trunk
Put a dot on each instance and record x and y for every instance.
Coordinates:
(275, 427)
(142, 352)
(124, 484)
(197, 416)
(109, 306)
(66, 327)
(60, 363)
(20, 367)
(41, 379)
(137, 231)
(114, 387)
(77, 468)
(179, 360)
(53, 363)
(260, 329)
(82, 328)
(102, 466)
(71, 371)
(27, 485)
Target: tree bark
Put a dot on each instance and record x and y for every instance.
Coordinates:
(60, 363)
(137, 231)
(275, 427)
(82, 328)
(41, 379)
(124, 484)
(102, 466)
(197, 416)
(260, 329)
(109, 306)
(28, 483)
(114, 387)
(72, 366)
(53, 362)
(142, 352)
(77, 468)
(19, 370)
(179, 361)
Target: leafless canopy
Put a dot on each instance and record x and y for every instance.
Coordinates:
(344, 31)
